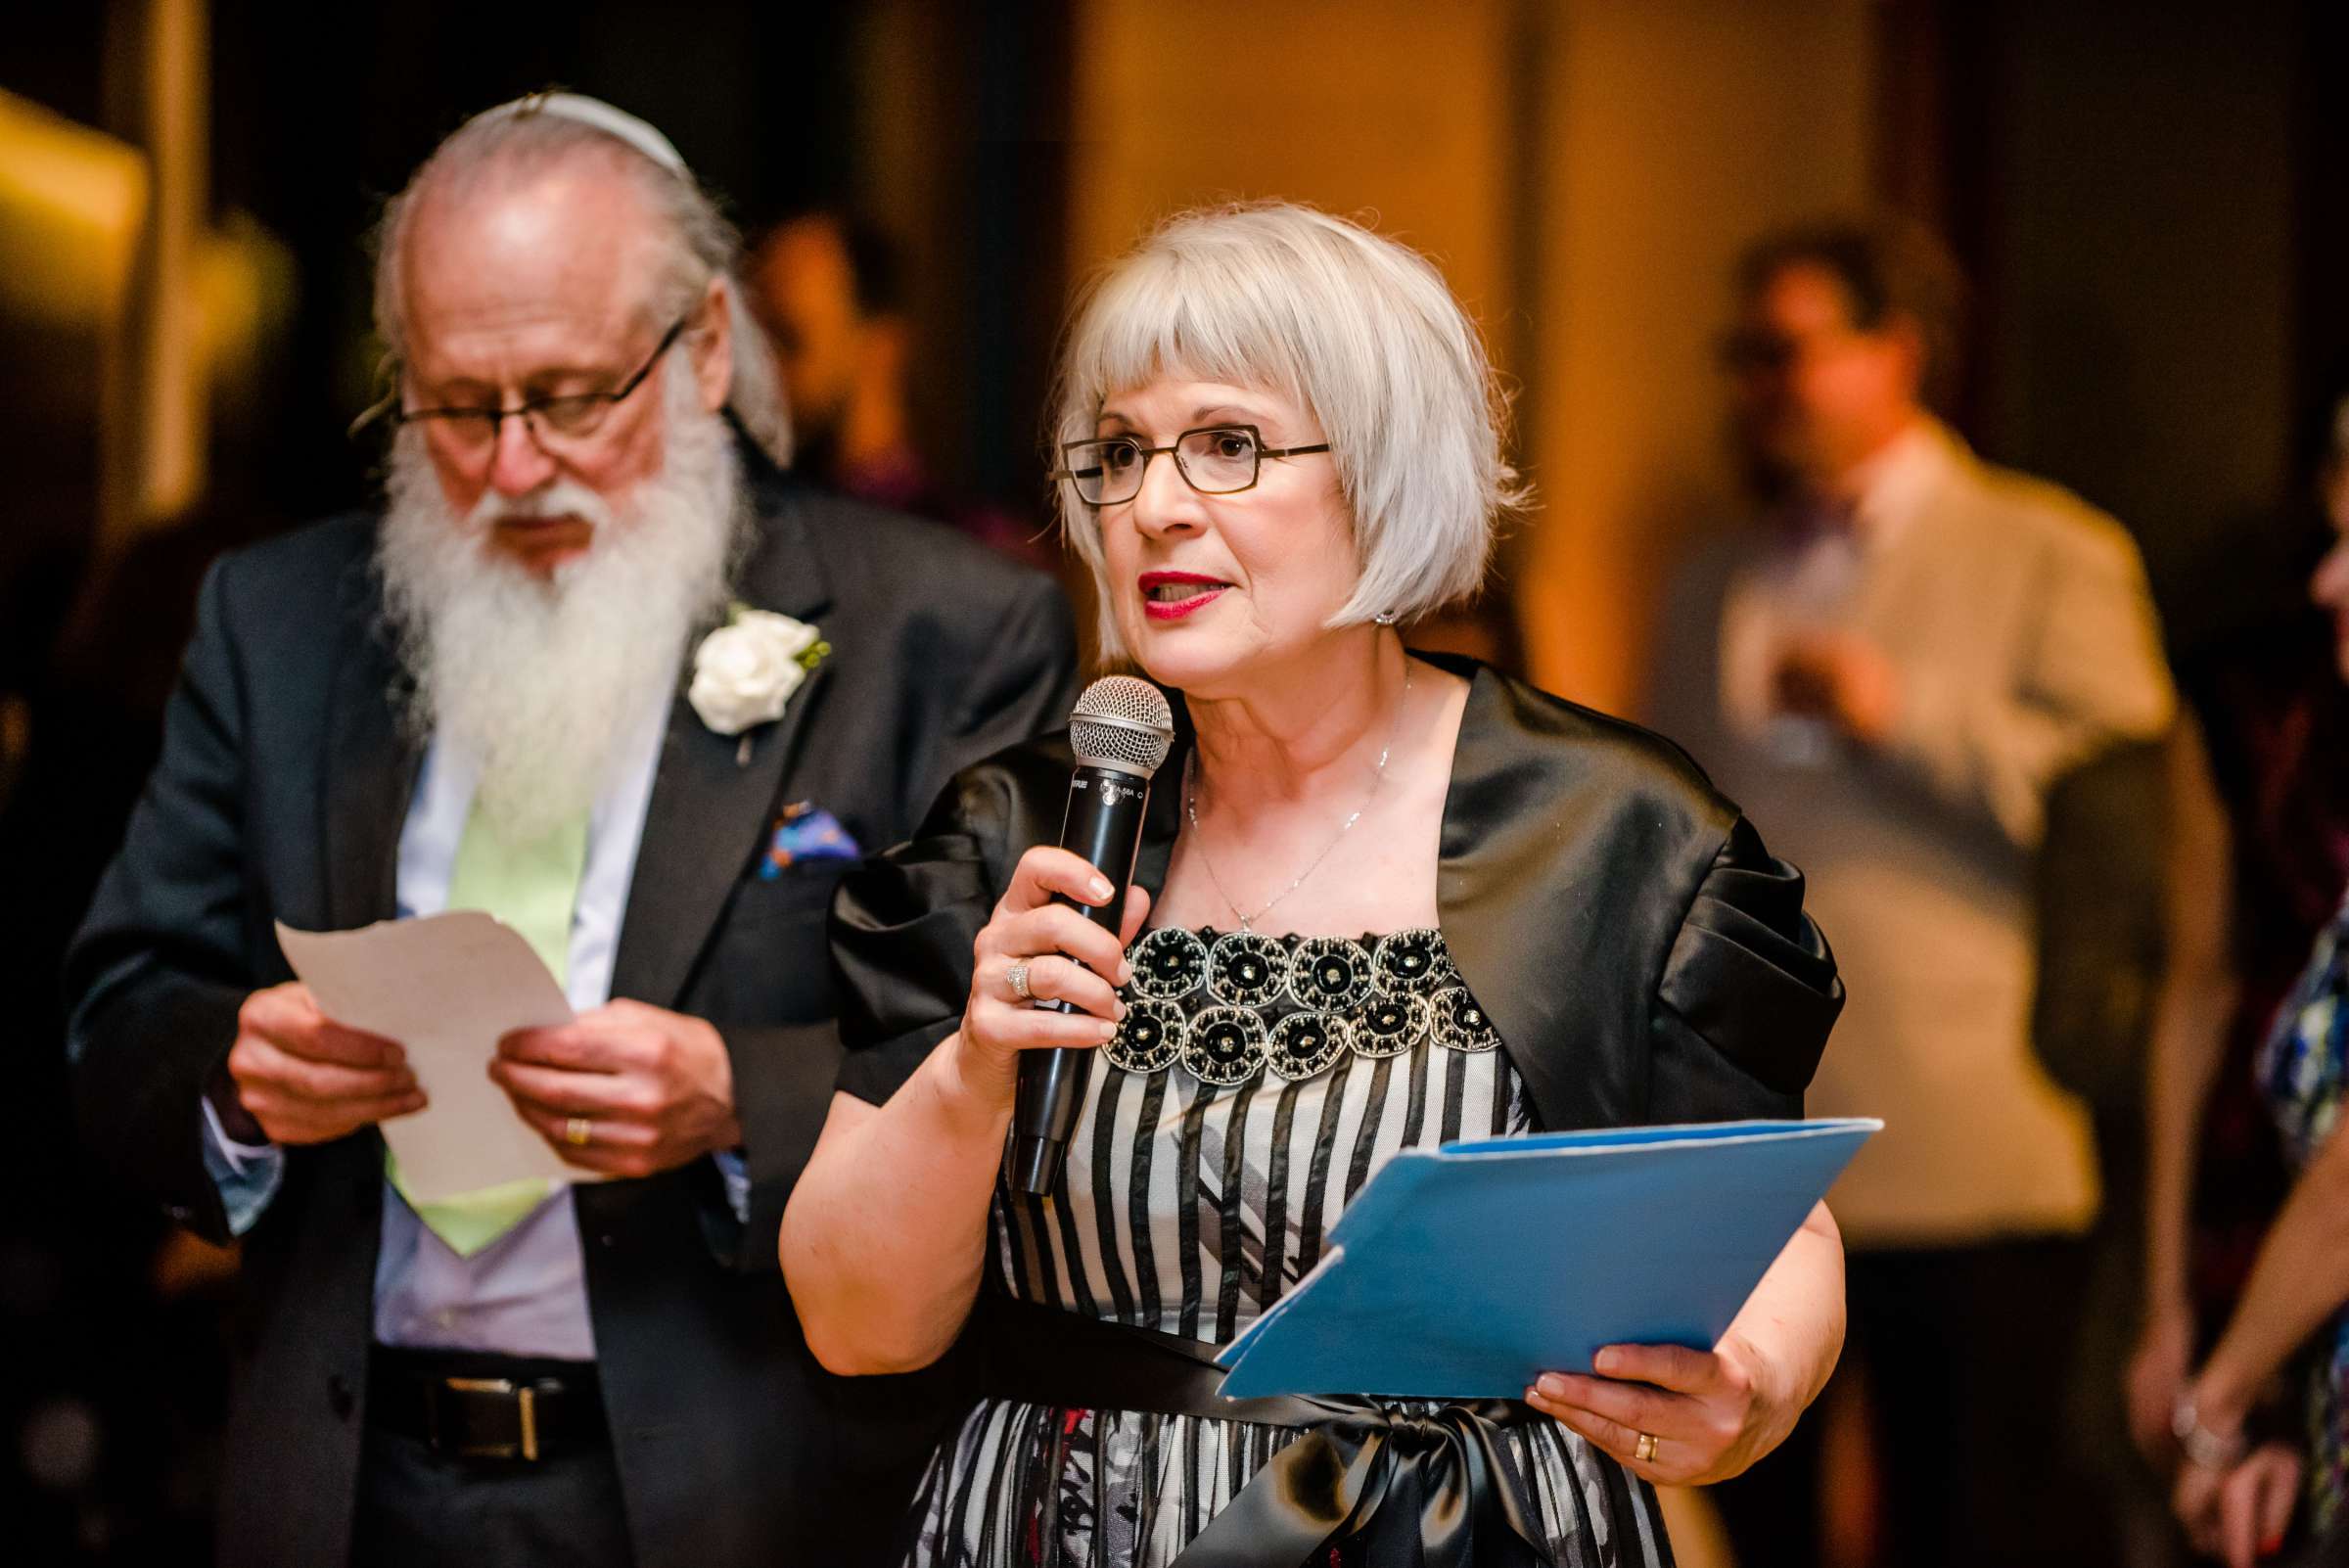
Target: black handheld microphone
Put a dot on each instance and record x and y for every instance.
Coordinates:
(1121, 732)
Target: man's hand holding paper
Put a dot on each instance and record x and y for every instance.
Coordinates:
(624, 1090)
(448, 988)
(302, 1078)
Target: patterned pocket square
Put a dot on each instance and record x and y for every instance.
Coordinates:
(805, 832)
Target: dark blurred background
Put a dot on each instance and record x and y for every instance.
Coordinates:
(2149, 200)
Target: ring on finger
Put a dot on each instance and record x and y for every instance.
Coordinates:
(579, 1131)
(1017, 977)
(1646, 1450)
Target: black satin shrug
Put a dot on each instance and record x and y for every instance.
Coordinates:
(1643, 957)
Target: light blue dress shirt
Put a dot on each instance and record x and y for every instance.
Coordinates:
(524, 1294)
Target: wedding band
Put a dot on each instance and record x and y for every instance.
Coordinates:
(1017, 973)
(1645, 1452)
(577, 1132)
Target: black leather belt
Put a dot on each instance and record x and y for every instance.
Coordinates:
(485, 1407)
(1406, 1483)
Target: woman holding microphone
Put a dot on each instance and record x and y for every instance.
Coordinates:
(1382, 901)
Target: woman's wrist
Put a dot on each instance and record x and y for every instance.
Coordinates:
(1775, 1385)
(2169, 1306)
(2209, 1420)
(974, 1089)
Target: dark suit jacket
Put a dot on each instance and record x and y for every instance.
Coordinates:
(1643, 957)
(280, 794)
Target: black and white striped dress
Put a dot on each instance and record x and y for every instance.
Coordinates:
(1256, 1085)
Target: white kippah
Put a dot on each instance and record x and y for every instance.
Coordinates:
(618, 123)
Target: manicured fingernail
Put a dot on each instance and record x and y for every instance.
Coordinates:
(1124, 971)
(1551, 1384)
(1106, 1032)
(1608, 1361)
(1120, 1013)
(1099, 888)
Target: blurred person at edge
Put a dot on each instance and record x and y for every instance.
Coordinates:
(2252, 1437)
(1902, 656)
(478, 699)
(2257, 861)
(830, 289)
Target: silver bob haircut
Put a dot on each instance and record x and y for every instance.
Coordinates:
(548, 129)
(1356, 329)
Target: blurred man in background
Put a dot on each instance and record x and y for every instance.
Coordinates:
(830, 289)
(476, 699)
(1895, 666)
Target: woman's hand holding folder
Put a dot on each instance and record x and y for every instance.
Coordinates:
(1712, 1414)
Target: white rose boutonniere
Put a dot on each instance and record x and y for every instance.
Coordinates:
(745, 672)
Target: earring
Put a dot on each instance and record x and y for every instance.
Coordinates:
(1385, 618)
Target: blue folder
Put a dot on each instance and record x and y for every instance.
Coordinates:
(1467, 1271)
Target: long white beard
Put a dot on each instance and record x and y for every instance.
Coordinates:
(540, 681)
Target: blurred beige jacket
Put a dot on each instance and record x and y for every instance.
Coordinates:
(2017, 620)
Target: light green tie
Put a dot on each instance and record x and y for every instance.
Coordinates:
(534, 887)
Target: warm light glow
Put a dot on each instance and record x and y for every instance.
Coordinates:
(70, 204)
(244, 283)
(1364, 108)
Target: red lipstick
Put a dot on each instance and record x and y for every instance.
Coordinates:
(1173, 595)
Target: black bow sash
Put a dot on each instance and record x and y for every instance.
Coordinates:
(1408, 1489)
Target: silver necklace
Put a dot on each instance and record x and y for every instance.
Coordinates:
(1190, 811)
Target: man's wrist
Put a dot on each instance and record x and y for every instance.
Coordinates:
(235, 1121)
(727, 1135)
(1867, 694)
(728, 1138)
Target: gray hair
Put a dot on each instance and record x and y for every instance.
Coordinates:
(544, 131)
(1358, 329)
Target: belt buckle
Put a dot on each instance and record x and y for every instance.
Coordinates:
(524, 1396)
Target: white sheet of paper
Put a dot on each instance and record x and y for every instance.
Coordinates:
(445, 986)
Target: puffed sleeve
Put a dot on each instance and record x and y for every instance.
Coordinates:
(902, 927)
(1747, 996)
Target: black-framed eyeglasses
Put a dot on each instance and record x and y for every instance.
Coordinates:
(565, 417)
(1214, 460)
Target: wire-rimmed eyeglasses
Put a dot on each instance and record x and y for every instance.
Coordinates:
(566, 416)
(1214, 460)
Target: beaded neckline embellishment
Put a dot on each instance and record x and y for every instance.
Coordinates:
(1232, 1005)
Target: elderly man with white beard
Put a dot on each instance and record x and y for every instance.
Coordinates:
(600, 666)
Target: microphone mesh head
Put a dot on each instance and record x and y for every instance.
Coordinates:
(1123, 722)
